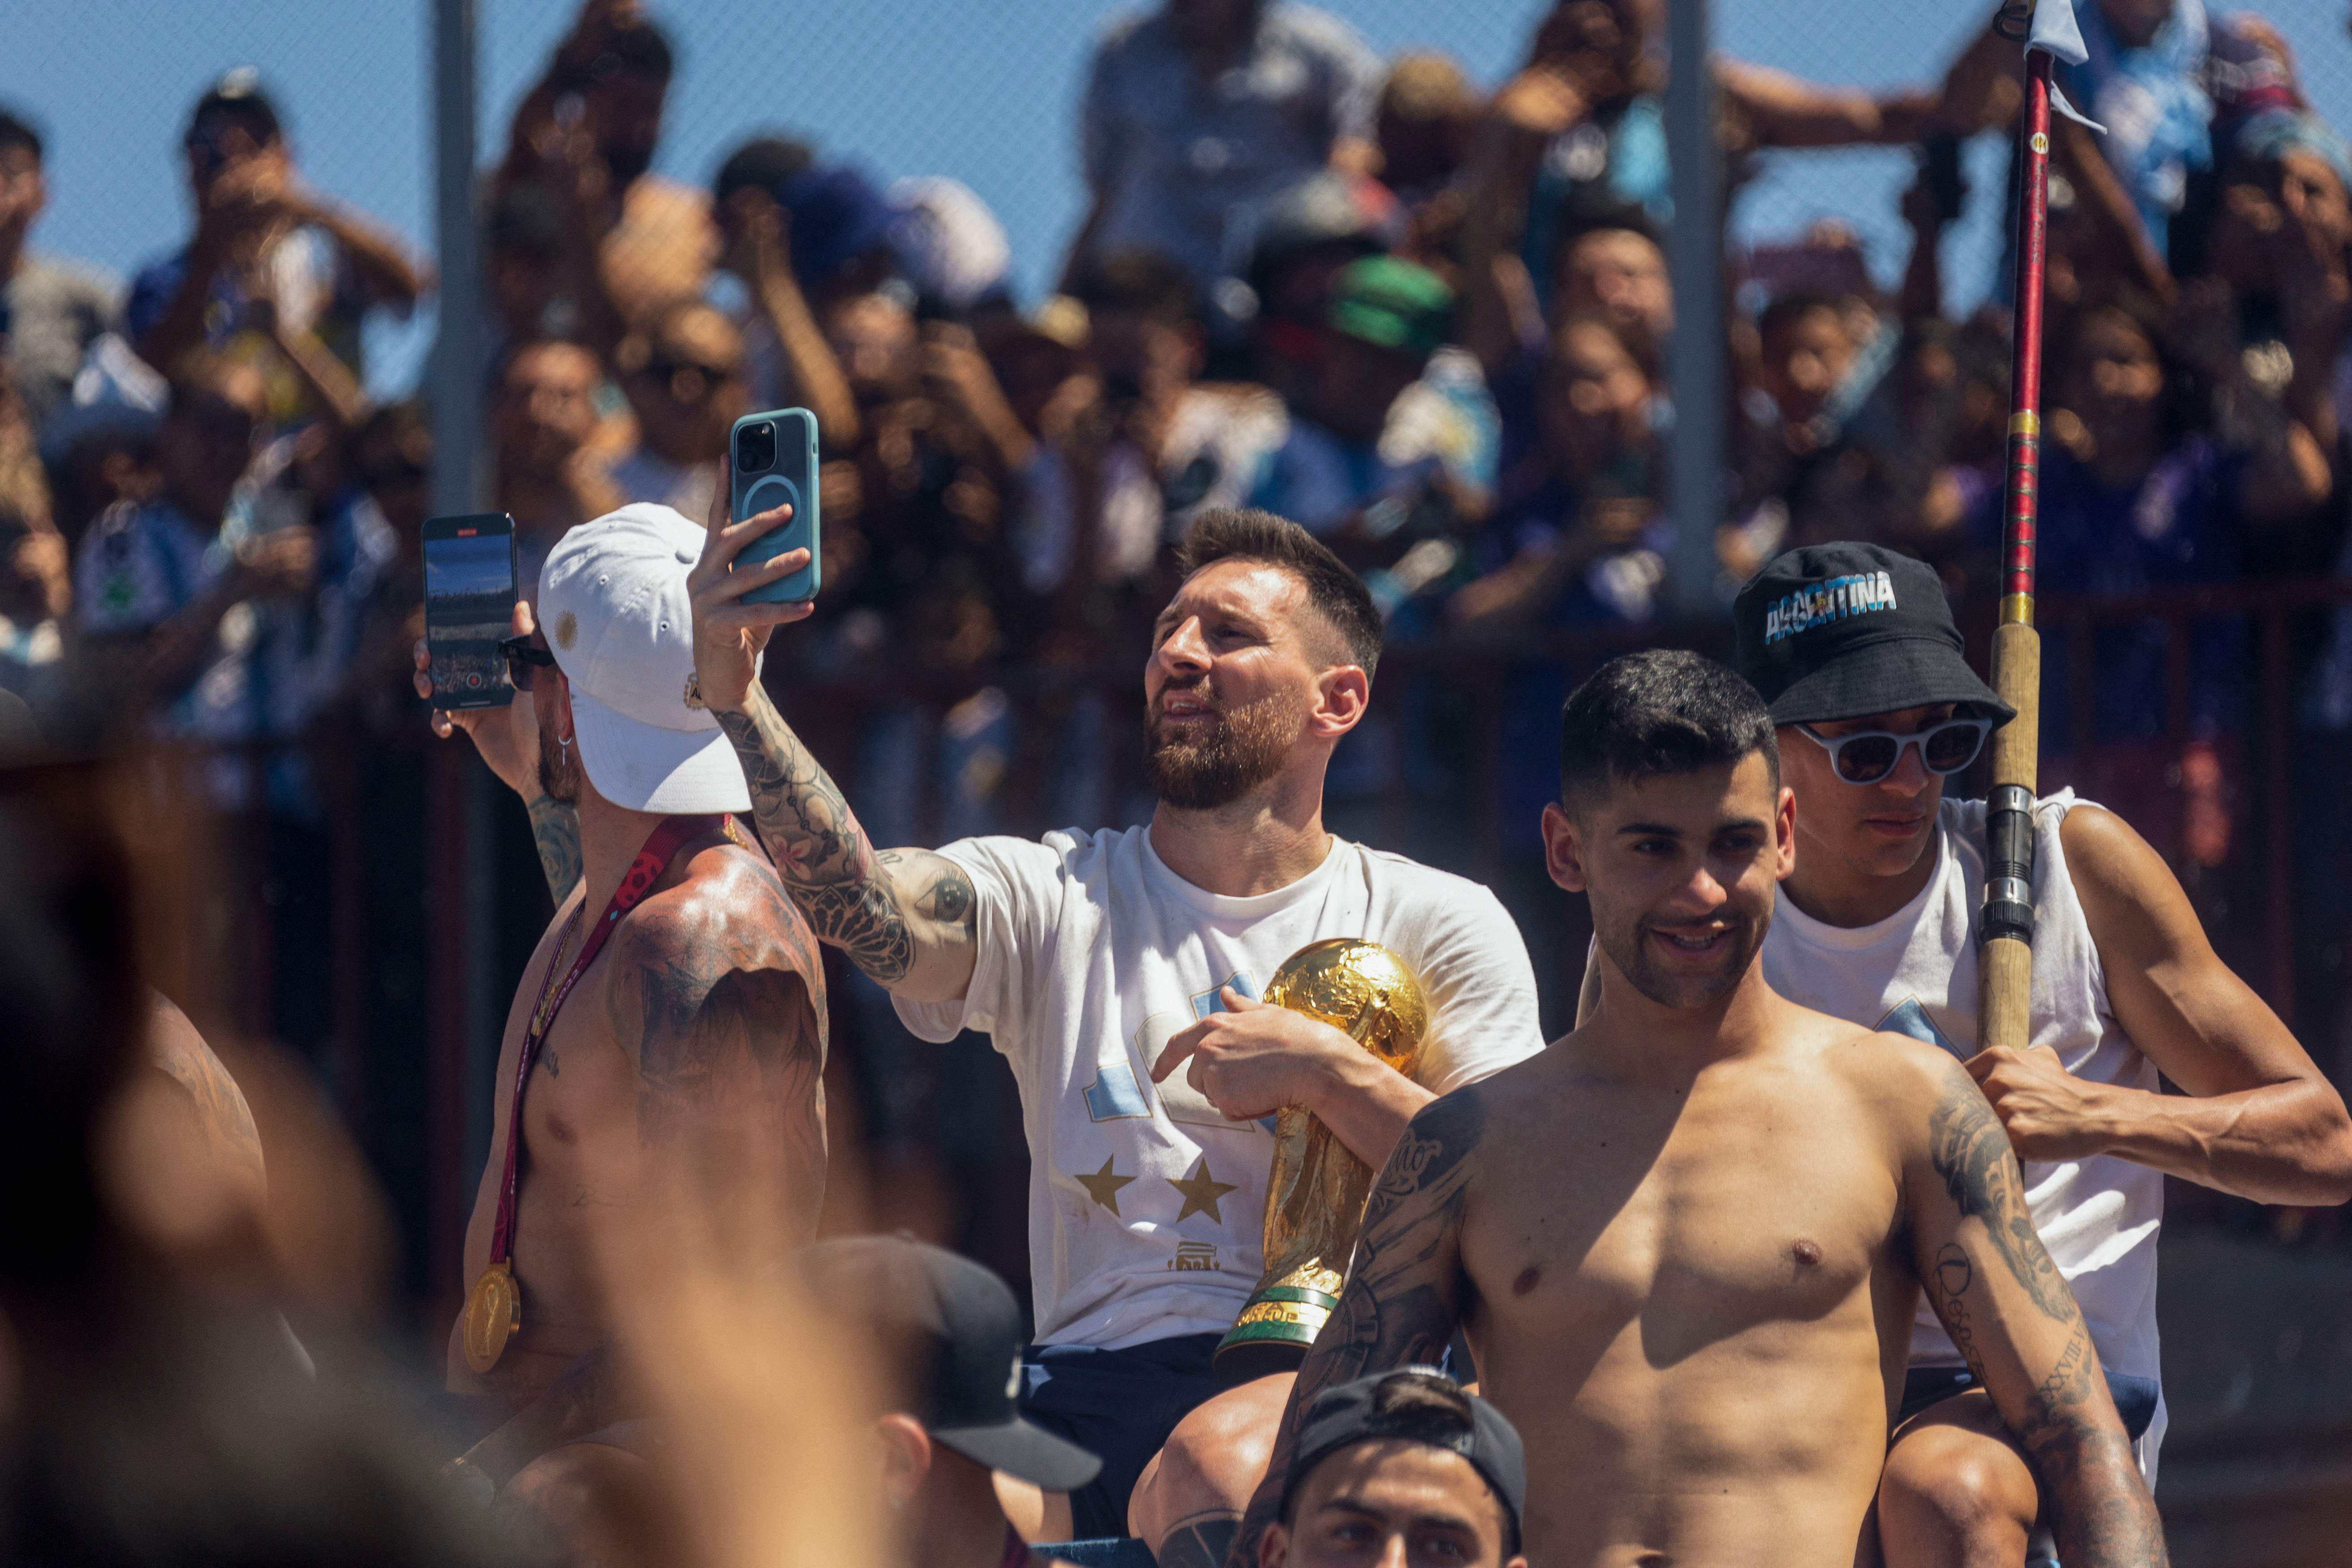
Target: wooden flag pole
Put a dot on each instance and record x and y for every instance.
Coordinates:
(2005, 958)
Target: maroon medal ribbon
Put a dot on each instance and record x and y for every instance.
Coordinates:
(643, 873)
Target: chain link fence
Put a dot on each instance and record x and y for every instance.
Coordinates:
(987, 95)
(361, 896)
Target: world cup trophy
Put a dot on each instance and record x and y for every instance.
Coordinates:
(1315, 1192)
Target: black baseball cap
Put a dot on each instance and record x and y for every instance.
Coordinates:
(1839, 631)
(1416, 1405)
(961, 1330)
(237, 93)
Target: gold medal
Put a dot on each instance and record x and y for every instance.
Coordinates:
(493, 1312)
(494, 1306)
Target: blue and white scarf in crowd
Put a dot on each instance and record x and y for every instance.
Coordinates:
(2151, 101)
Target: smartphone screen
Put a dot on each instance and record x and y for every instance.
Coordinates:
(470, 599)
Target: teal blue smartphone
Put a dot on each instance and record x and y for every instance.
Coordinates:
(776, 465)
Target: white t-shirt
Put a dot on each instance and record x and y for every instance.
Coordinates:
(1914, 972)
(1146, 1205)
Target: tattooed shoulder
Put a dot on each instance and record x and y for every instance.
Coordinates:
(936, 887)
(684, 986)
(1434, 1153)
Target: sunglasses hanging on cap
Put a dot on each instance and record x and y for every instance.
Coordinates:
(1869, 755)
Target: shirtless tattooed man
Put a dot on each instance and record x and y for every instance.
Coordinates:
(679, 1081)
(1684, 1242)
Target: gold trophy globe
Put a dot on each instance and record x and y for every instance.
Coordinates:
(1315, 1190)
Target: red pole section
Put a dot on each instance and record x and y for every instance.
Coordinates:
(2023, 508)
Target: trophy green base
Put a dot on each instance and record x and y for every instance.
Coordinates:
(1274, 1329)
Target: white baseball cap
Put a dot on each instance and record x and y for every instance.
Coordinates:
(613, 607)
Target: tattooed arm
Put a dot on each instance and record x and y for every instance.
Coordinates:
(716, 994)
(1406, 1293)
(906, 917)
(555, 834)
(508, 739)
(2015, 1322)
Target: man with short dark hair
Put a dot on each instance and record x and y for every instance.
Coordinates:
(683, 372)
(586, 132)
(1856, 648)
(543, 420)
(1165, 448)
(1685, 1242)
(1410, 1460)
(51, 311)
(270, 259)
(1120, 972)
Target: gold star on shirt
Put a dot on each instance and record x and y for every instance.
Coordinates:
(1201, 1191)
(1103, 1186)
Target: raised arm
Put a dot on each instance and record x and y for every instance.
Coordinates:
(1789, 111)
(387, 273)
(2016, 1324)
(508, 739)
(908, 918)
(1406, 1293)
(2257, 1119)
(766, 264)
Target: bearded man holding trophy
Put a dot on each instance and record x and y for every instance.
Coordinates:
(1129, 977)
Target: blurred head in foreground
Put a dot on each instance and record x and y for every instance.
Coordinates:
(75, 1012)
(142, 1423)
(948, 1333)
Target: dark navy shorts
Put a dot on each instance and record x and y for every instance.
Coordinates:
(1119, 1405)
(2135, 1398)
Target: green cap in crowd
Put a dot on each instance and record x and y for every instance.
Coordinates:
(1391, 303)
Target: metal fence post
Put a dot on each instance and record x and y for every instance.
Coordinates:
(1694, 262)
(463, 1053)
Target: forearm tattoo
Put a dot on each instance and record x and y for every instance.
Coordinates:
(1404, 1294)
(2103, 1514)
(1971, 1153)
(555, 834)
(854, 899)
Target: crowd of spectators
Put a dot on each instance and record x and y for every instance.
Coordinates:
(1426, 319)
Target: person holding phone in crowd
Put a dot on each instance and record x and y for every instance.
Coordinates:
(272, 259)
(1119, 971)
(665, 1048)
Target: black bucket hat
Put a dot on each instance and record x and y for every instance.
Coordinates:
(1842, 631)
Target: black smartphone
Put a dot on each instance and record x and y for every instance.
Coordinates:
(470, 600)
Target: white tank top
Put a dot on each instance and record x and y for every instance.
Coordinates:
(1914, 972)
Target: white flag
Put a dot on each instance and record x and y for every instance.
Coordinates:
(2057, 33)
